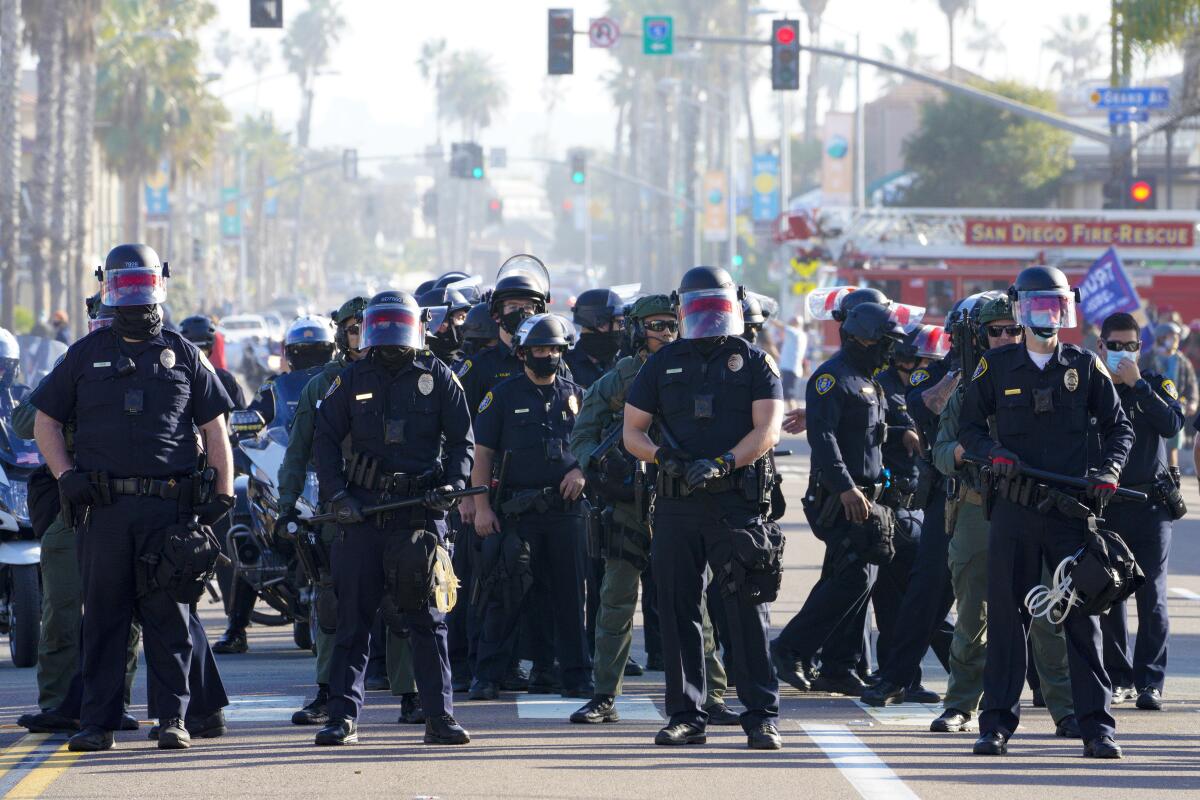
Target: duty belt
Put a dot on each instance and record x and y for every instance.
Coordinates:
(398, 483)
(674, 488)
(170, 489)
(525, 501)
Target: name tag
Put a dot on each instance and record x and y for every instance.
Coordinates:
(673, 371)
(1011, 392)
(101, 364)
(868, 390)
(520, 410)
(366, 396)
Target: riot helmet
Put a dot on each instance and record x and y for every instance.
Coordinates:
(597, 307)
(133, 275)
(200, 331)
(479, 330)
(857, 296)
(544, 330)
(393, 319)
(1043, 300)
(447, 308)
(309, 342)
(521, 277)
(710, 304)
(923, 342)
(424, 286)
(10, 358)
(466, 284)
(868, 336)
(352, 309)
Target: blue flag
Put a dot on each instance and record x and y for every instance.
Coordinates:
(1107, 289)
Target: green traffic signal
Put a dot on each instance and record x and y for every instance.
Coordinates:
(577, 177)
(737, 259)
(477, 173)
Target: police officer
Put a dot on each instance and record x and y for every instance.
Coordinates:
(308, 346)
(446, 341)
(627, 547)
(136, 392)
(1151, 402)
(718, 403)
(753, 316)
(1044, 396)
(479, 331)
(409, 435)
(200, 331)
(599, 313)
(989, 319)
(532, 556)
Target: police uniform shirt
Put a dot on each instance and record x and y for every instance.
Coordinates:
(231, 387)
(895, 454)
(585, 370)
(533, 423)
(846, 425)
(140, 424)
(399, 418)
(1043, 415)
(482, 371)
(1153, 408)
(264, 400)
(706, 401)
(919, 381)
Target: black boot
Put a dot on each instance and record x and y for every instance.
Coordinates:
(633, 669)
(601, 708)
(721, 714)
(483, 690)
(232, 643)
(444, 730)
(764, 737)
(172, 735)
(91, 739)
(338, 731)
(411, 712)
(515, 680)
(681, 733)
(316, 712)
(48, 722)
(883, 693)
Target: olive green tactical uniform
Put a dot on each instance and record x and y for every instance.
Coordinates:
(968, 573)
(603, 404)
(62, 599)
(292, 474)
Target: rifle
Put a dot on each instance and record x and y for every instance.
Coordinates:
(398, 504)
(1069, 481)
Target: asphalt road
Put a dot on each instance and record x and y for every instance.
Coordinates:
(523, 746)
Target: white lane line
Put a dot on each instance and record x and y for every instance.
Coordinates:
(262, 708)
(1186, 594)
(548, 706)
(866, 772)
(907, 714)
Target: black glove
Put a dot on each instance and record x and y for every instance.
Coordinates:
(615, 465)
(1005, 463)
(1103, 484)
(214, 510)
(76, 488)
(672, 462)
(284, 525)
(436, 500)
(705, 469)
(346, 509)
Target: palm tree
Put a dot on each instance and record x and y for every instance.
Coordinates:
(985, 41)
(1076, 43)
(61, 193)
(833, 77)
(10, 152)
(430, 63)
(472, 92)
(86, 14)
(307, 48)
(48, 45)
(905, 54)
(953, 9)
(813, 10)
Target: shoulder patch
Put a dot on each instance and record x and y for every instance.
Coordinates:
(824, 383)
(485, 402)
(980, 368)
(918, 377)
(464, 368)
(1168, 386)
(333, 387)
(771, 364)
(1102, 368)
(203, 361)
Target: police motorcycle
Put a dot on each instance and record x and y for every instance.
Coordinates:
(20, 552)
(266, 559)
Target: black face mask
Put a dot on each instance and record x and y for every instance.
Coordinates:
(445, 345)
(138, 322)
(545, 366)
(751, 335)
(513, 319)
(393, 359)
(866, 358)
(600, 346)
(709, 345)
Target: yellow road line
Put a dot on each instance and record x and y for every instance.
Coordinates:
(43, 774)
(15, 753)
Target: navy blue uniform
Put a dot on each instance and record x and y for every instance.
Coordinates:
(1043, 416)
(585, 370)
(141, 424)
(706, 402)
(482, 371)
(1152, 405)
(532, 424)
(415, 423)
(231, 387)
(847, 426)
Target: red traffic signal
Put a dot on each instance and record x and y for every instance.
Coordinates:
(1140, 192)
(785, 35)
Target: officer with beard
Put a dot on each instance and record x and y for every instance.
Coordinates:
(409, 434)
(847, 427)
(719, 404)
(447, 341)
(534, 529)
(599, 313)
(137, 393)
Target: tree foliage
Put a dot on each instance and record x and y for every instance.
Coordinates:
(967, 153)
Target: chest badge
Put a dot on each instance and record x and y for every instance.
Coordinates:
(425, 384)
(573, 403)
(167, 358)
(1071, 380)
(735, 362)
(825, 383)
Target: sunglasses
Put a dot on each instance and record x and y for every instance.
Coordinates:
(996, 331)
(660, 325)
(1128, 347)
(353, 330)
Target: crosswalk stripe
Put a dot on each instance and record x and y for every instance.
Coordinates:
(1186, 594)
(865, 771)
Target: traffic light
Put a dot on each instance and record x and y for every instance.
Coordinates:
(1113, 196)
(429, 206)
(1142, 193)
(785, 54)
(350, 164)
(495, 211)
(466, 160)
(578, 167)
(561, 41)
(266, 13)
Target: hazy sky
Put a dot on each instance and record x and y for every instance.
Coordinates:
(378, 103)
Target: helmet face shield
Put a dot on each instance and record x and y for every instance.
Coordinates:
(393, 325)
(932, 341)
(707, 313)
(906, 316)
(822, 302)
(529, 267)
(1050, 308)
(133, 286)
(98, 323)
(436, 315)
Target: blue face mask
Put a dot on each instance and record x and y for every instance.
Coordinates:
(1113, 359)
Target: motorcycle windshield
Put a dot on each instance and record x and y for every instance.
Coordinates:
(38, 357)
(16, 451)
(266, 454)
